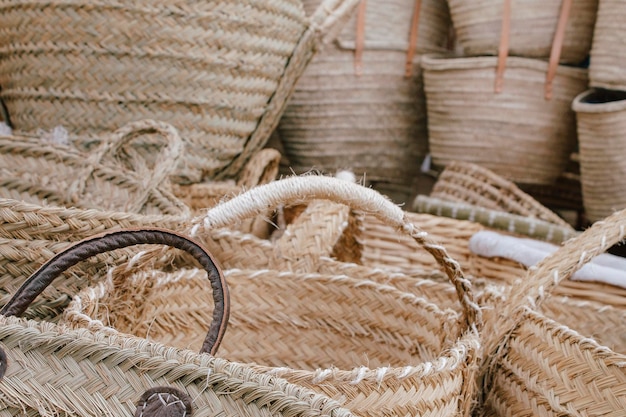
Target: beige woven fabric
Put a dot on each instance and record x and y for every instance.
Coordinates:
(608, 57)
(220, 72)
(601, 126)
(532, 28)
(516, 133)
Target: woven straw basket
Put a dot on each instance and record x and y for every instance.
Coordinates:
(220, 72)
(50, 370)
(600, 116)
(532, 25)
(540, 367)
(39, 171)
(516, 133)
(360, 103)
(378, 350)
(608, 57)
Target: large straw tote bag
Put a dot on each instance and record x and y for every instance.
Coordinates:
(532, 25)
(601, 121)
(49, 369)
(220, 72)
(539, 367)
(360, 103)
(378, 350)
(608, 57)
(37, 170)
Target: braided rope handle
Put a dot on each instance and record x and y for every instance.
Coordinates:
(303, 189)
(118, 239)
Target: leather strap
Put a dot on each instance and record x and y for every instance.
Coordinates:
(557, 46)
(503, 49)
(360, 38)
(410, 53)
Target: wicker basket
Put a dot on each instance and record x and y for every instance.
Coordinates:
(532, 25)
(40, 171)
(356, 108)
(327, 323)
(516, 133)
(600, 116)
(220, 72)
(538, 366)
(608, 57)
(48, 369)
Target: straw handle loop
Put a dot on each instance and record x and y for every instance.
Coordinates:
(109, 241)
(304, 189)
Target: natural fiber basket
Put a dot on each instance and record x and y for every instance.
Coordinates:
(479, 186)
(360, 103)
(538, 366)
(220, 72)
(516, 133)
(39, 171)
(378, 350)
(48, 369)
(601, 121)
(608, 57)
(532, 25)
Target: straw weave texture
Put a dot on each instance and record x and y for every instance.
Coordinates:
(601, 126)
(608, 57)
(373, 124)
(517, 133)
(220, 72)
(478, 27)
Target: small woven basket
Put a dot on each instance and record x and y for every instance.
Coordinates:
(601, 121)
(478, 23)
(39, 171)
(360, 103)
(373, 347)
(220, 72)
(608, 57)
(538, 366)
(46, 369)
(516, 133)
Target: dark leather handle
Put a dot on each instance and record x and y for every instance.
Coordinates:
(109, 241)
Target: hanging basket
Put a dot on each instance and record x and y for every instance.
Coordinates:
(360, 104)
(608, 57)
(373, 347)
(600, 117)
(220, 72)
(39, 171)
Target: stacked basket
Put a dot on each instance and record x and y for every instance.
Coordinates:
(600, 114)
(505, 104)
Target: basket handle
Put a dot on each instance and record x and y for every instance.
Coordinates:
(542, 278)
(165, 163)
(118, 239)
(555, 53)
(303, 189)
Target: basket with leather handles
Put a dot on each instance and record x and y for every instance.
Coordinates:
(111, 177)
(376, 349)
(509, 114)
(51, 369)
(538, 366)
(220, 72)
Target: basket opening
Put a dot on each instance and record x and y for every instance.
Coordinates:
(600, 96)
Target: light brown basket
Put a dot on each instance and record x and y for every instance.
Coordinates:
(39, 171)
(47, 369)
(360, 104)
(532, 25)
(479, 186)
(608, 57)
(375, 348)
(538, 366)
(601, 121)
(220, 72)
(516, 133)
